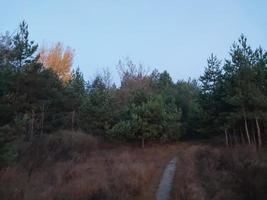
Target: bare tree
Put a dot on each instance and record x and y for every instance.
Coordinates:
(106, 76)
(133, 77)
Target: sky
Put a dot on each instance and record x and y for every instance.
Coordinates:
(173, 35)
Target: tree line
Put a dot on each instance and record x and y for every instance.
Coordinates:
(233, 94)
(39, 94)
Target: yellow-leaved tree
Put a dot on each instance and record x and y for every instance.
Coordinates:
(59, 59)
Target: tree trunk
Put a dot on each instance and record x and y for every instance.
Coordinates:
(42, 121)
(246, 125)
(246, 128)
(254, 140)
(72, 120)
(32, 125)
(226, 138)
(242, 136)
(230, 139)
(234, 138)
(143, 141)
(259, 132)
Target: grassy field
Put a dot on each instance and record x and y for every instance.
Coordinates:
(206, 172)
(77, 166)
(67, 166)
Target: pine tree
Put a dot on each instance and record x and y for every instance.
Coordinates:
(210, 94)
(22, 48)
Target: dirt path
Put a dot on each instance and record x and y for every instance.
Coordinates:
(165, 185)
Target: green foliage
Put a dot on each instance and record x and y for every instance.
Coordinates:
(209, 97)
(186, 98)
(23, 49)
(7, 149)
(98, 109)
(165, 80)
(231, 96)
(32, 99)
(123, 130)
(152, 119)
(77, 84)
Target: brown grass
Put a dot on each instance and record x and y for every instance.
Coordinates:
(205, 172)
(116, 172)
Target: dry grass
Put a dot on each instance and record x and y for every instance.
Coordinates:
(206, 172)
(114, 172)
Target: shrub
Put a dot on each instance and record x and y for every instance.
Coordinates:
(60, 146)
(220, 173)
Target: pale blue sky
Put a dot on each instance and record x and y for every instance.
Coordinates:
(174, 35)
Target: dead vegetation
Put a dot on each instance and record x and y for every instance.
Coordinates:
(61, 166)
(218, 173)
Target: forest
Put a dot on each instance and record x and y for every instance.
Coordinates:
(44, 101)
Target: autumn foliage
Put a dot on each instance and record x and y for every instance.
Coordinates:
(59, 59)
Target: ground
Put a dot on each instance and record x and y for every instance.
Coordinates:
(83, 168)
(77, 166)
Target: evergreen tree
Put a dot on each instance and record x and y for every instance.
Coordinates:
(210, 95)
(186, 99)
(150, 120)
(22, 48)
(98, 109)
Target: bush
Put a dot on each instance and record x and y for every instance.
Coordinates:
(60, 146)
(220, 173)
(7, 149)
(122, 130)
(117, 172)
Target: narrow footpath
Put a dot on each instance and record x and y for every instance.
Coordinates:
(165, 186)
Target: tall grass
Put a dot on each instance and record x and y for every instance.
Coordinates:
(75, 166)
(220, 173)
